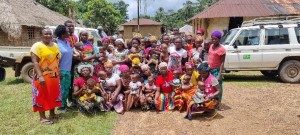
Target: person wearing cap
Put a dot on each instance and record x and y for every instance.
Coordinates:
(200, 32)
(212, 91)
(80, 87)
(216, 59)
(163, 100)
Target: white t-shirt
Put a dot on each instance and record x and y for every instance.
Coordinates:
(175, 58)
(113, 80)
(135, 86)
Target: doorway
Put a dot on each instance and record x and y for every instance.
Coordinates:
(235, 22)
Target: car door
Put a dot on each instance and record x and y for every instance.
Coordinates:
(245, 52)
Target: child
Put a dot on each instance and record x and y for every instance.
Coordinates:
(189, 46)
(164, 55)
(186, 83)
(204, 51)
(103, 86)
(77, 51)
(135, 86)
(176, 82)
(89, 97)
(101, 56)
(134, 57)
(199, 97)
(149, 92)
(153, 60)
(110, 53)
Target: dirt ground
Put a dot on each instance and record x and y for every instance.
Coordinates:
(253, 105)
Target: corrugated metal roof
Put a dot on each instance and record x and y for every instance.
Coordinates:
(142, 22)
(238, 8)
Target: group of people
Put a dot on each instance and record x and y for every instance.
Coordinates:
(171, 73)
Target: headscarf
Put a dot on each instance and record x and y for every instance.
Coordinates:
(153, 38)
(203, 67)
(201, 30)
(217, 34)
(108, 64)
(105, 38)
(162, 64)
(120, 40)
(144, 67)
(188, 65)
(89, 66)
(123, 68)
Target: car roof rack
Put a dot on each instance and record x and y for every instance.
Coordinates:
(272, 21)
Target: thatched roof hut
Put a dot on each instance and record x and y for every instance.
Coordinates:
(17, 15)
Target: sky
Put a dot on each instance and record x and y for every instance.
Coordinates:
(153, 6)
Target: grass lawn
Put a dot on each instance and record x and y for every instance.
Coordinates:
(17, 116)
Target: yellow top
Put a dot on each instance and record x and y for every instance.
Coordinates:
(194, 78)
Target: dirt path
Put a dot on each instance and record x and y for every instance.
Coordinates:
(250, 109)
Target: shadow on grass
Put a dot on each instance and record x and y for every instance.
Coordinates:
(14, 81)
(249, 78)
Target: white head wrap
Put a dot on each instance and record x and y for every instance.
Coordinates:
(80, 67)
(163, 64)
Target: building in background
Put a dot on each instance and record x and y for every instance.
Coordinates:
(147, 27)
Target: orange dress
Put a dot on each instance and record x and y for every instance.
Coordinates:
(48, 96)
(182, 98)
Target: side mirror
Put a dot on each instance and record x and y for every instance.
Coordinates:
(2, 74)
(236, 44)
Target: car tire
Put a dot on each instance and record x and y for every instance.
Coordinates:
(269, 73)
(2, 74)
(289, 71)
(27, 71)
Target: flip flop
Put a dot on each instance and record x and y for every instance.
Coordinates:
(46, 122)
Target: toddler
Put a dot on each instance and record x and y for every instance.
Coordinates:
(101, 56)
(89, 96)
(149, 92)
(154, 60)
(135, 87)
(164, 55)
(134, 57)
(176, 82)
(77, 51)
(199, 97)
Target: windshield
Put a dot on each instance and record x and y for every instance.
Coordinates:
(229, 36)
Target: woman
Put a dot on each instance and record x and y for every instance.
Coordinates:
(212, 90)
(105, 42)
(146, 73)
(46, 94)
(88, 52)
(216, 58)
(163, 100)
(184, 95)
(114, 87)
(80, 84)
(65, 63)
(120, 55)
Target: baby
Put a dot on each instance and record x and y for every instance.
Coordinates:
(135, 86)
(110, 53)
(89, 96)
(77, 51)
(149, 91)
(186, 83)
(164, 55)
(176, 82)
(134, 57)
(101, 56)
(199, 97)
(154, 60)
(105, 91)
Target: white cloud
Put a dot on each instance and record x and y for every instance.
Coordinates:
(152, 6)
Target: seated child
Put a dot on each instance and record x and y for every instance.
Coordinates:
(149, 92)
(110, 53)
(199, 97)
(176, 82)
(77, 51)
(134, 57)
(89, 97)
(153, 60)
(135, 86)
(164, 55)
(105, 92)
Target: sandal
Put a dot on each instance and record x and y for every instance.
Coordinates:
(46, 122)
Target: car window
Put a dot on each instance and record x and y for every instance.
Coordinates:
(248, 37)
(277, 36)
(297, 30)
(228, 37)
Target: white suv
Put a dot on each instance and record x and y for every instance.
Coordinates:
(267, 45)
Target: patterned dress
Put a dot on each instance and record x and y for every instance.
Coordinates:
(48, 96)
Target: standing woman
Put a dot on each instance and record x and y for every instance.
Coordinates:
(46, 94)
(216, 58)
(65, 63)
(163, 100)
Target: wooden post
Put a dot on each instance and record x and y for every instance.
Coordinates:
(138, 21)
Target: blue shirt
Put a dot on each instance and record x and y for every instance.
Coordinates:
(65, 62)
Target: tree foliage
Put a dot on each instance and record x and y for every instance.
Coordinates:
(103, 13)
(122, 7)
(61, 6)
